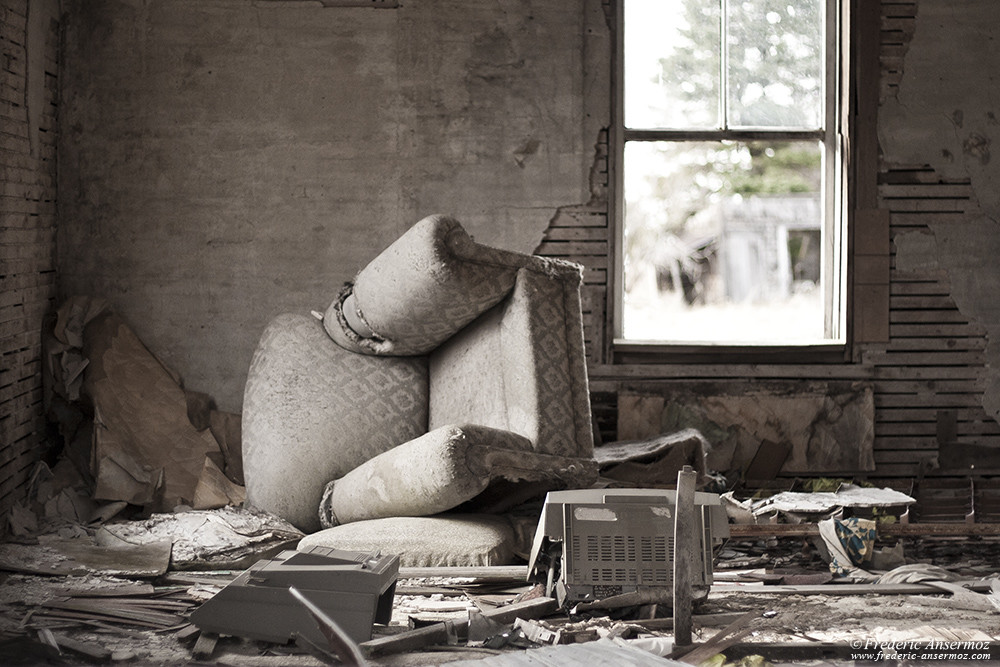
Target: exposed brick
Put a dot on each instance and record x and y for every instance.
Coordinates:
(27, 245)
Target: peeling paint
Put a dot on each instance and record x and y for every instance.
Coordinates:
(943, 116)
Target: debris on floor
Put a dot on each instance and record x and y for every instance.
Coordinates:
(495, 614)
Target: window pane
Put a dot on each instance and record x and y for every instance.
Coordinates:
(775, 66)
(672, 63)
(722, 242)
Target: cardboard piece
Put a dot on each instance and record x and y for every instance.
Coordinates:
(146, 451)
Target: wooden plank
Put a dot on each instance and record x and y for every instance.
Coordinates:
(572, 248)
(903, 24)
(902, 219)
(872, 270)
(946, 529)
(939, 316)
(684, 550)
(871, 314)
(929, 386)
(942, 344)
(933, 401)
(926, 372)
(871, 232)
(580, 217)
(662, 372)
(925, 414)
(204, 647)
(965, 358)
(483, 573)
(440, 632)
(932, 205)
(576, 234)
(918, 275)
(866, 75)
(887, 456)
(914, 431)
(923, 302)
(926, 191)
(933, 330)
(888, 443)
(719, 642)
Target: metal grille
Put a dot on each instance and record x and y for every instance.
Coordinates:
(629, 544)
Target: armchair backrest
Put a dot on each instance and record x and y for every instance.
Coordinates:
(521, 366)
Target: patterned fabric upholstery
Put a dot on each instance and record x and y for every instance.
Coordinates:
(453, 540)
(441, 470)
(313, 411)
(419, 291)
(521, 367)
(505, 397)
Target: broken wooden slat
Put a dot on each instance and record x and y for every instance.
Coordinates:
(91, 619)
(840, 589)
(685, 546)
(437, 633)
(728, 636)
(105, 610)
(136, 589)
(440, 632)
(483, 573)
(737, 531)
(204, 647)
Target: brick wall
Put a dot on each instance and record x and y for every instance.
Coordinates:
(29, 57)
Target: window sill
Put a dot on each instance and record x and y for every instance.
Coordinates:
(636, 352)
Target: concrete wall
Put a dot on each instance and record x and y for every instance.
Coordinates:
(224, 161)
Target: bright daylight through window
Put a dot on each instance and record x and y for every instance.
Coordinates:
(729, 158)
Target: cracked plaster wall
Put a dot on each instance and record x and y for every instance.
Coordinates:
(946, 116)
(223, 161)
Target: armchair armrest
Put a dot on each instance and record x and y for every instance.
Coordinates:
(441, 470)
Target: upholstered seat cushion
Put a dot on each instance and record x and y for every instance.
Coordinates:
(433, 541)
(313, 411)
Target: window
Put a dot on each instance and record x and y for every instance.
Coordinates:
(728, 173)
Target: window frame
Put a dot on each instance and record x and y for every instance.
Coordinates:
(834, 136)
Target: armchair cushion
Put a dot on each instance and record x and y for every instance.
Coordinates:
(312, 411)
(431, 282)
(441, 470)
(446, 540)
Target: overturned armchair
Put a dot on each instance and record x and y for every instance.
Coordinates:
(445, 384)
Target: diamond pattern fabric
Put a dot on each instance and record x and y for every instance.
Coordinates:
(312, 411)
